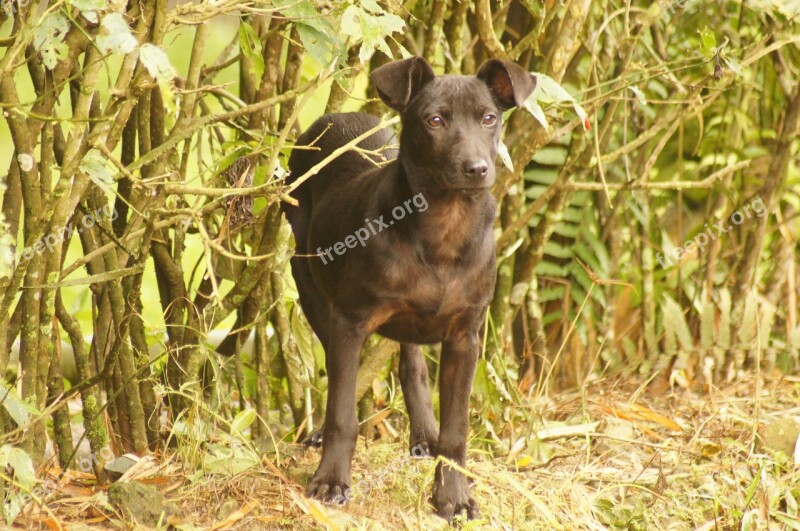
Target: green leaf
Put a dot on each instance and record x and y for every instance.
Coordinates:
(89, 8)
(654, 11)
(302, 11)
(99, 169)
(549, 269)
(788, 521)
(195, 430)
(734, 65)
(549, 91)
(157, 63)
(370, 29)
(555, 293)
(24, 473)
(372, 6)
(558, 250)
(350, 23)
(707, 320)
(303, 362)
(747, 326)
(724, 327)
(533, 107)
(319, 45)
(319, 38)
(505, 156)
(675, 322)
(483, 387)
(17, 408)
(89, 5)
(250, 45)
(48, 39)
(243, 420)
(376, 31)
(639, 95)
(551, 156)
(708, 40)
(24, 476)
(227, 460)
(115, 35)
(598, 248)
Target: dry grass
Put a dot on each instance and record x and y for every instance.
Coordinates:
(615, 457)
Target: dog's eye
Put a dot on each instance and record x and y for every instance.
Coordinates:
(436, 121)
(489, 119)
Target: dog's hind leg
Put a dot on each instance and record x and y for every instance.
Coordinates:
(331, 481)
(317, 313)
(315, 308)
(416, 393)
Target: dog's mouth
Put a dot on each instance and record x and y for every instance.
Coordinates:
(459, 184)
(470, 189)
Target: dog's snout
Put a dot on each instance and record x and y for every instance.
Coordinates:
(475, 168)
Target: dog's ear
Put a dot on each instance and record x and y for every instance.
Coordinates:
(399, 81)
(510, 84)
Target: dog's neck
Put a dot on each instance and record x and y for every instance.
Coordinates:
(454, 223)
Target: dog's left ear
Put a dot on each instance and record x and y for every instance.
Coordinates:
(509, 83)
(399, 82)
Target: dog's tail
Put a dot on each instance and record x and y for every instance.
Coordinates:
(325, 136)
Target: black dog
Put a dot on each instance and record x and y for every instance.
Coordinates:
(404, 250)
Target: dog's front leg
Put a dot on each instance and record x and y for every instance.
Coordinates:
(451, 488)
(331, 481)
(414, 381)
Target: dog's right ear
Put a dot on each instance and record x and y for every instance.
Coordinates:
(399, 82)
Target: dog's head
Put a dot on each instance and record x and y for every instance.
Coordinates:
(451, 124)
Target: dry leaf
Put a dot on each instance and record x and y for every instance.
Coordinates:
(236, 516)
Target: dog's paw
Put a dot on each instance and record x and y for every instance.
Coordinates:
(451, 495)
(314, 440)
(325, 490)
(450, 510)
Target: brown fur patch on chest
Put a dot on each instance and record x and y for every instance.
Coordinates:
(447, 228)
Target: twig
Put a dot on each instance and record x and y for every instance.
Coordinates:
(483, 18)
(600, 169)
(92, 279)
(708, 182)
(339, 152)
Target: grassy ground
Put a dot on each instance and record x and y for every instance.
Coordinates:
(613, 457)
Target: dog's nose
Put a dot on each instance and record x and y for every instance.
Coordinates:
(475, 168)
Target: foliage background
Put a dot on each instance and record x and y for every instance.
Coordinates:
(180, 116)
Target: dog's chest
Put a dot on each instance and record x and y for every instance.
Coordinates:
(430, 310)
(437, 295)
(431, 294)
(425, 291)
